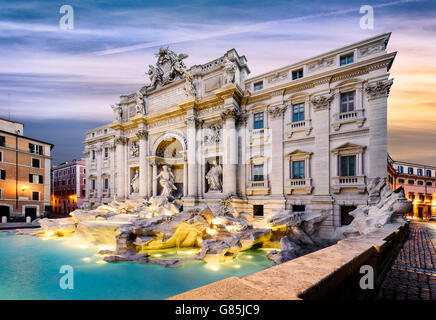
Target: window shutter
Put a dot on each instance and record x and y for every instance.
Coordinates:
(41, 179)
(30, 147)
(31, 178)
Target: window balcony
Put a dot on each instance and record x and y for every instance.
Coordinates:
(298, 185)
(299, 126)
(355, 116)
(352, 182)
(258, 188)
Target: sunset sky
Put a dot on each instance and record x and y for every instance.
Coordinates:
(61, 82)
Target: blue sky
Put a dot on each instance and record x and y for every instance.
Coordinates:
(73, 76)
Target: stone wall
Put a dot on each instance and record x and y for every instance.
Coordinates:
(330, 273)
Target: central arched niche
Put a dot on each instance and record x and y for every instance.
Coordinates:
(170, 149)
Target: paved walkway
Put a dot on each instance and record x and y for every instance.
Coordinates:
(413, 274)
(18, 225)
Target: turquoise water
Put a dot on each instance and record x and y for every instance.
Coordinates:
(29, 269)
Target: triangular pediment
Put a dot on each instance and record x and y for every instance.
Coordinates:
(349, 145)
(298, 152)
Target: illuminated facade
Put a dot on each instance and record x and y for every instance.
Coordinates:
(419, 183)
(68, 186)
(24, 173)
(307, 136)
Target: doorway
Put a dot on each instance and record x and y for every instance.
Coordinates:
(346, 218)
(258, 210)
(30, 212)
(5, 212)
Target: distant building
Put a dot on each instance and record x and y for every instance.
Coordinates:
(68, 186)
(419, 183)
(24, 173)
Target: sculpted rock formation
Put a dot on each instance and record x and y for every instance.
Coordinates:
(134, 228)
(390, 207)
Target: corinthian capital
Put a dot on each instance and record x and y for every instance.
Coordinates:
(142, 134)
(121, 140)
(277, 111)
(193, 122)
(322, 102)
(231, 112)
(378, 89)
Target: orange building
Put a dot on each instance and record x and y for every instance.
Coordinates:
(419, 184)
(24, 173)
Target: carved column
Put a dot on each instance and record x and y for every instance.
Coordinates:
(142, 136)
(230, 152)
(276, 177)
(192, 124)
(98, 160)
(112, 166)
(322, 198)
(185, 176)
(377, 94)
(120, 143)
(154, 164)
(150, 179)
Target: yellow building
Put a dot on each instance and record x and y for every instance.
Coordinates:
(24, 173)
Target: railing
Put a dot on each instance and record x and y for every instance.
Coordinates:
(348, 182)
(299, 126)
(304, 185)
(348, 117)
(258, 184)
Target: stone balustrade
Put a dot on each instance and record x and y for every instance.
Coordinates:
(330, 273)
(353, 182)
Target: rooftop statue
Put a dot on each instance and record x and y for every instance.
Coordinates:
(168, 67)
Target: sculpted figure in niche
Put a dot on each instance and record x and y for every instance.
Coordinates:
(213, 177)
(134, 183)
(166, 181)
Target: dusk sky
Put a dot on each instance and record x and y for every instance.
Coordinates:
(61, 82)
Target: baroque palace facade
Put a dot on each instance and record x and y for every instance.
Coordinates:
(305, 137)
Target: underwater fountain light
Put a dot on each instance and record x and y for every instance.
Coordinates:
(86, 259)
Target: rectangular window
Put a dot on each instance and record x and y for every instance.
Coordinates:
(400, 169)
(258, 172)
(297, 74)
(93, 154)
(35, 148)
(2, 174)
(83, 192)
(258, 86)
(346, 59)
(411, 181)
(429, 184)
(106, 183)
(348, 166)
(2, 141)
(93, 184)
(421, 183)
(298, 208)
(1, 156)
(347, 101)
(106, 152)
(258, 120)
(410, 171)
(298, 112)
(36, 163)
(400, 180)
(258, 210)
(1, 194)
(419, 172)
(297, 169)
(35, 195)
(428, 173)
(36, 178)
